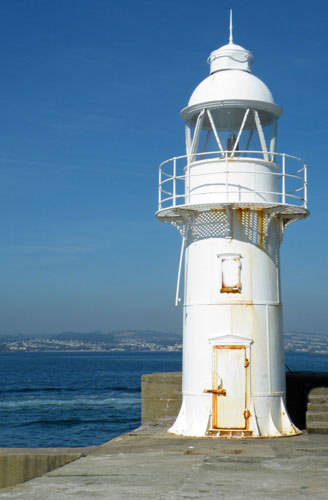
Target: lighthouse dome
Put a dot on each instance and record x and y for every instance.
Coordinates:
(230, 85)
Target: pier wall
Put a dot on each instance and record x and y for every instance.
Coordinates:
(18, 465)
(161, 399)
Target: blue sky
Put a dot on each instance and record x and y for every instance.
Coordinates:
(90, 95)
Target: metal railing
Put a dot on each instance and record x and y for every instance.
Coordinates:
(175, 177)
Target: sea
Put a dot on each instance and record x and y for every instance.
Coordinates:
(83, 399)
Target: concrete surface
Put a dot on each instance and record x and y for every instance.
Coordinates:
(151, 464)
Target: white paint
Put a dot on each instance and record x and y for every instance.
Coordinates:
(232, 218)
(230, 85)
(230, 273)
(230, 28)
(227, 180)
(280, 181)
(230, 407)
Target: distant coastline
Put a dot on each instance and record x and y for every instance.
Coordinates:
(119, 341)
(137, 341)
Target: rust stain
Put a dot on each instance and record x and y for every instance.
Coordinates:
(214, 412)
(236, 286)
(246, 217)
(239, 214)
(214, 398)
(261, 229)
(246, 412)
(229, 347)
(233, 452)
(229, 289)
(219, 391)
(248, 303)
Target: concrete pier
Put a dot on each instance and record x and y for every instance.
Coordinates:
(150, 464)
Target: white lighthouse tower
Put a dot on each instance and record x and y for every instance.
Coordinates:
(231, 197)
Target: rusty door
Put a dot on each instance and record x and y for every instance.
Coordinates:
(229, 387)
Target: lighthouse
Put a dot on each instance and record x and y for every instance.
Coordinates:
(231, 197)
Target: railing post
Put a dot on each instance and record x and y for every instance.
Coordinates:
(189, 161)
(305, 186)
(253, 183)
(174, 181)
(160, 188)
(227, 179)
(177, 298)
(283, 178)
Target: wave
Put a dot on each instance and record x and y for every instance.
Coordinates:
(76, 402)
(68, 421)
(38, 389)
(79, 421)
(116, 388)
(125, 389)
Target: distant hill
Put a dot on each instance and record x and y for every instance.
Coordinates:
(14, 337)
(97, 336)
(161, 338)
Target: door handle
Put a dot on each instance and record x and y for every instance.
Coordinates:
(218, 391)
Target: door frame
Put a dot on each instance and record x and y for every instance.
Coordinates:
(231, 342)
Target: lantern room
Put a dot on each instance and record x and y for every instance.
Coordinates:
(231, 110)
(231, 135)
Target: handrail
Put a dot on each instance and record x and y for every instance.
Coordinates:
(177, 177)
(227, 153)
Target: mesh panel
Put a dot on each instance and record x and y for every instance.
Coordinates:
(255, 225)
(211, 224)
(216, 223)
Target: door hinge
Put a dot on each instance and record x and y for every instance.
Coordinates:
(247, 414)
(246, 364)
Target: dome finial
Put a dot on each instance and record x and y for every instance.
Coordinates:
(230, 28)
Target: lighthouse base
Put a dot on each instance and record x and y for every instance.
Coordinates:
(267, 417)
